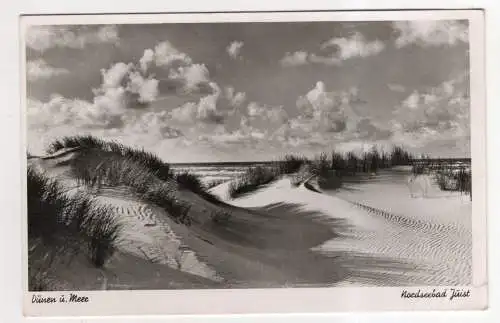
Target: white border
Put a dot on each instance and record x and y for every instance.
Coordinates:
(302, 300)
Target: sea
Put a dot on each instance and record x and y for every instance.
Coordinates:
(212, 173)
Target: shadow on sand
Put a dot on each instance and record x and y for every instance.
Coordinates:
(281, 236)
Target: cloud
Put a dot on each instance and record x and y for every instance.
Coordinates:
(214, 108)
(152, 123)
(236, 99)
(326, 111)
(193, 77)
(274, 114)
(348, 47)
(41, 38)
(105, 117)
(438, 113)
(396, 87)
(40, 70)
(60, 111)
(234, 49)
(328, 117)
(295, 59)
(245, 136)
(145, 88)
(430, 32)
(128, 80)
(178, 66)
(115, 75)
(164, 54)
(122, 87)
(205, 110)
(344, 48)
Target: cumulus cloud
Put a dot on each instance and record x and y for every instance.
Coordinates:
(348, 47)
(214, 108)
(431, 32)
(163, 54)
(295, 59)
(122, 87)
(178, 66)
(327, 117)
(193, 77)
(115, 75)
(127, 79)
(205, 110)
(274, 114)
(60, 111)
(40, 70)
(152, 123)
(41, 38)
(234, 49)
(436, 113)
(342, 48)
(245, 136)
(354, 46)
(236, 99)
(328, 111)
(145, 88)
(105, 117)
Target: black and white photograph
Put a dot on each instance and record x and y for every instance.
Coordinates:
(248, 154)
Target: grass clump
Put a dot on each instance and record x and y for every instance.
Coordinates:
(148, 160)
(289, 164)
(329, 168)
(191, 182)
(140, 165)
(252, 179)
(117, 171)
(459, 180)
(64, 226)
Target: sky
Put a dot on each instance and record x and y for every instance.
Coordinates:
(252, 91)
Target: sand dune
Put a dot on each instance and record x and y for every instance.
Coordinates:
(255, 248)
(281, 235)
(431, 243)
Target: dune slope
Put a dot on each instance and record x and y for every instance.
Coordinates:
(278, 236)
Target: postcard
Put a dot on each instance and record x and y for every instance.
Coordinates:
(265, 162)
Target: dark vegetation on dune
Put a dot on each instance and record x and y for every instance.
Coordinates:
(191, 182)
(103, 163)
(256, 176)
(331, 168)
(328, 167)
(146, 159)
(64, 226)
(449, 177)
(458, 181)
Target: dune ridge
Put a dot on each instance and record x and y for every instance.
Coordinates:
(280, 235)
(440, 247)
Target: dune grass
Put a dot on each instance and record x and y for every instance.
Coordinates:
(142, 165)
(256, 176)
(111, 170)
(191, 182)
(325, 166)
(458, 181)
(149, 160)
(252, 179)
(64, 226)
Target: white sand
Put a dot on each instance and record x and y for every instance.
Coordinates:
(390, 239)
(431, 237)
(146, 234)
